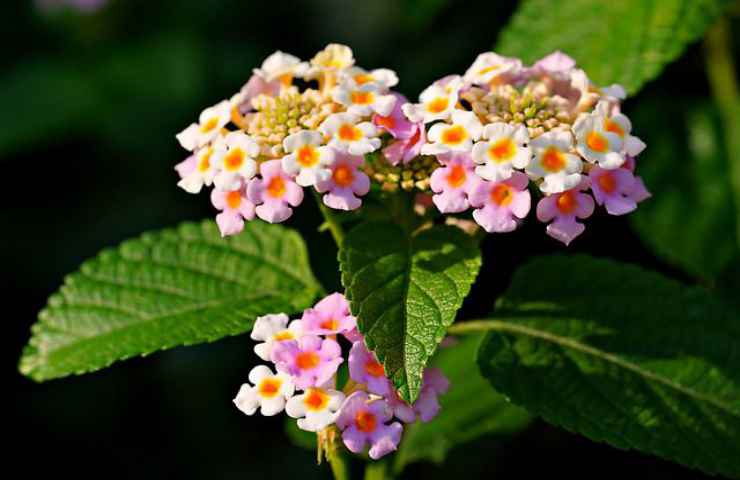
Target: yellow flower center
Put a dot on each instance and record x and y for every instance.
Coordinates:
(438, 105)
(454, 135)
(307, 156)
(284, 335)
(502, 150)
(363, 78)
(205, 160)
(349, 133)
(612, 126)
(315, 399)
(360, 97)
(234, 159)
(276, 187)
(209, 125)
(553, 160)
(597, 142)
(330, 324)
(269, 387)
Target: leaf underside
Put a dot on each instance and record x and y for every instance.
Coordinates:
(626, 41)
(621, 355)
(168, 288)
(405, 292)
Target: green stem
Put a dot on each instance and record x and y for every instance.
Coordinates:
(723, 82)
(475, 326)
(377, 470)
(339, 464)
(330, 220)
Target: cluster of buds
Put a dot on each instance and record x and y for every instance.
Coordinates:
(503, 125)
(306, 354)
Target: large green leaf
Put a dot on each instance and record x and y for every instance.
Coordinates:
(405, 292)
(470, 409)
(626, 41)
(621, 355)
(690, 221)
(168, 288)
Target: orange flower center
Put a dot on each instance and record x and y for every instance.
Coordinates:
(286, 79)
(374, 368)
(454, 135)
(284, 335)
(501, 194)
(307, 156)
(307, 360)
(234, 199)
(612, 126)
(315, 399)
(343, 176)
(438, 105)
(330, 324)
(567, 202)
(276, 187)
(607, 182)
(234, 159)
(387, 122)
(209, 125)
(502, 150)
(457, 176)
(365, 421)
(597, 142)
(205, 161)
(363, 78)
(269, 387)
(360, 97)
(349, 133)
(553, 160)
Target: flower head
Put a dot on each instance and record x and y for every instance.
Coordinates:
(235, 208)
(274, 193)
(348, 134)
(345, 183)
(234, 158)
(200, 173)
(306, 158)
(310, 360)
(553, 161)
(364, 368)
(316, 408)
(273, 328)
(364, 421)
(498, 204)
(565, 208)
(505, 148)
(329, 317)
(456, 137)
(453, 182)
(209, 125)
(596, 144)
(436, 102)
(268, 392)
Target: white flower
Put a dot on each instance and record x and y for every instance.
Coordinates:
(306, 159)
(489, 66)
(505, 150)
(458, 136)
(316, 408)
(272, 328)
(234, 157)
(382, 77)
(209, 125)
(553, 162)
(436, 102)
(596, 144)
(334, 57)
(619, 124)
(363, 100)
(202, 174)
(589, 96)
(268, 392)
(282, 66)
(615, 91)
(349, 136)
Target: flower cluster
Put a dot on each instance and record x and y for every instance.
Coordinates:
(503, 124)
(270, 140)
(307, 354)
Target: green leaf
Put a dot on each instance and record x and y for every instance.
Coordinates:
(690, 221)
(626, 41)
(623, 356)
(168, 288)
(470, 409)
(405, 292)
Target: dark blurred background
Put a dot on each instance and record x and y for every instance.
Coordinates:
(89, 105)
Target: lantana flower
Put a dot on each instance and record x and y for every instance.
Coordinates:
(310, 360)
(274, 193)
(620, 125)
(202, 172)
(499, 204)
(382, 77)
(348, 134)
(596, 144)
(329, 317)
(403, 150)
(364, 422)
(396, 122)
(282, 67)
(436, 102)
(564, 208)
(345, 183)
(434, 384)
(456, 137)
(613, 189)
(316, 408)
(235, 208)
(273, 328)
(268, 392)
(334, 57)
(505, 148)
(553, 161)
(209, 125)
(364, 99)
(453, 183)
(364, 368)
(489, 67)
(234, 157)
(306, 158)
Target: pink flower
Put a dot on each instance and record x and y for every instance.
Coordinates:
(639, 193)
(235, 208)
(187, 166)
(274, 193)
(555, 62)
(365, 368)
(353, 335)
(345, 183)
(310, 360)
(612, 188)
(254, 87)
(565, 207)
(406, 149)
(396, 122)
(497, 203)
(329, 317)
(435, 384)
(453, 182)
(364, 422)
(401, 410)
